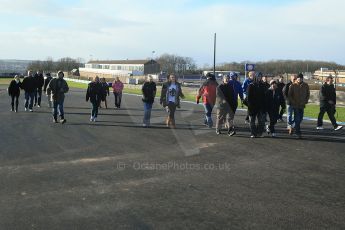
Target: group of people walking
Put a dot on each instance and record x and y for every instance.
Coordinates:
(263, 99)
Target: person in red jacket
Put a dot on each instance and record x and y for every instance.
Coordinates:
(208, 94)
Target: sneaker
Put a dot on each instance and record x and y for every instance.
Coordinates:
(218, 132)
(26, 109)
(338, 127)
(252, 136)
(55, 121)
(16, 111)
(63, 121)
(38, 106)
(246, 121)
(231, 133)
(94, 119)
(274, 135)
(268, 129)
(12, 110)
(91, 118)
(30, 110)
(319, 128)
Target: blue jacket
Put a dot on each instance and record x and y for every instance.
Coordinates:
(245, 85)
(237, 87)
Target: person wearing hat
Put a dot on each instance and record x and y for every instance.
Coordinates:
(47, 79)
(208, 94)
(298, 95)
(14, 92)
(225, 107)
(237, 87)
(256, 102)
(327, 104)
(273, 99)
(57, 88)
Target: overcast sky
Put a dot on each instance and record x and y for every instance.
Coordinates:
(120, 29)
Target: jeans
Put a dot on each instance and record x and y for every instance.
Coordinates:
(94, 110)
(330, 109)
(208, 115)
(289, 119)
(14, 98)
(58, 107)
(298, 115)
(257, 129)
(29, 100)
(147, 113)
(118, 97)
(38, 96)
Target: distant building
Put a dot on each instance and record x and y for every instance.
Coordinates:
(323, 73)
(12, 67)
(119, 68)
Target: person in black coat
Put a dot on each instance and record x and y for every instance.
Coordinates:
(273, 99)
(39, 80)
(14, 92)
(105, 92)
(29, 86)
(327, 104)
(149, 92)
(46, 83)
(256, 102)
(94, 93)
(280, 87)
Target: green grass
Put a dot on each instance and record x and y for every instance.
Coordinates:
(5, 81)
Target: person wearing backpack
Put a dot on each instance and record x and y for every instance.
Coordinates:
(14, 92)
(57, 88)
(94, 93)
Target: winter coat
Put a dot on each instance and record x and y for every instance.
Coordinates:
(29, 84)
(39, 80)
(272, 103)
(256, 97)
(117, 86)
(46, 82)
(238, 90)
(164, 100)
(105, 89)
(57, 88)
(245, 85)
(299, 95)
(225, 97)
(14, 88)
(149, 92)
(208, 92)
(286, 92)
(95, 92)
(327, 93)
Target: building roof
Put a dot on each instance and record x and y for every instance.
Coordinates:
(121, 62)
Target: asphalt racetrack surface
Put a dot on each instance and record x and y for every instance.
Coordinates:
(115, 174)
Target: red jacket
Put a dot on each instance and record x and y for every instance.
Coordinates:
(208, 92)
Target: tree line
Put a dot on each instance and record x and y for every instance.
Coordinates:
(66, 64)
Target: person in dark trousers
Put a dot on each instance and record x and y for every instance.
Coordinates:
(225, 107)
(208, 94)
(256, 103)
(47, 79)
(273, 100)
(289, 116)
(14, 92)
(245, 85)
(280, 87)
(95, 93)
(57, 88)
(170, 98)
(299, 94)
(105, 91)
(328, 101)
(149, 92)
(117, 90)
(39, 79)
(237, 87)
(29, 86)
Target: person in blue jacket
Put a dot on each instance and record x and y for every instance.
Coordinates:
(245, 85)
(237, 87)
